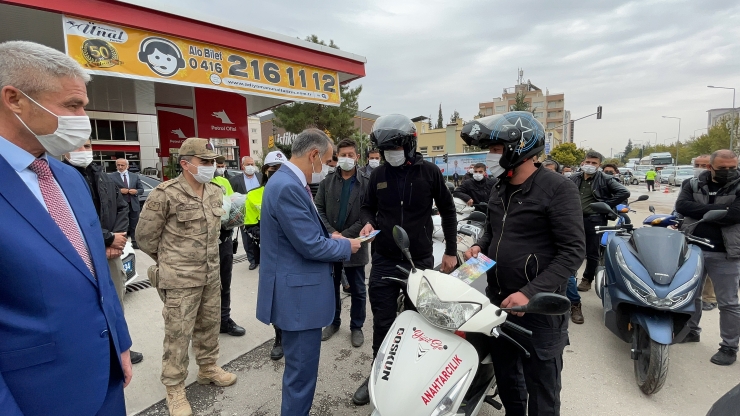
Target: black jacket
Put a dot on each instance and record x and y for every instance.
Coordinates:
(328, 199)
(605, 188)
(110, 204)
(403, 196)
(538, 242)
(479, 191)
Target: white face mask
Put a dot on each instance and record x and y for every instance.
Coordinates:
(346, 163)
(316, 177)
(250, 170)
(395, 157)
(698, 171)
(205, 173)
(478, 176)
(80, 159)
(71, 133)
(567, 174)
(589, 169)
(374, 163)
(326, 169)
(492, 160)
(471, 171)
(220, 171)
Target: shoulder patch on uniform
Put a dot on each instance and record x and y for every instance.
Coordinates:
(153, 205)
(168, 183)
(382, 185)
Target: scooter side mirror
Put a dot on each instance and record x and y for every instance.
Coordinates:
(602, 208)
(402, 241)
(642, 198)
(652, 209)
(545, 304)
(714, 215)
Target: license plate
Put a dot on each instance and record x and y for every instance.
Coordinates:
(128, 266)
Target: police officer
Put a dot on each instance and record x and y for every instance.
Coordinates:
(179, 228)
(535, 234)
(401, 192)
(226, 258)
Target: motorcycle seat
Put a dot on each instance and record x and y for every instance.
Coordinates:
(476, 216)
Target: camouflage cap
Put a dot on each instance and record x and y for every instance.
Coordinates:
(220, 159)
(197, 147)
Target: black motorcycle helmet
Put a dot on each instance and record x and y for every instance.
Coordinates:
(521, 134)
(394, 130)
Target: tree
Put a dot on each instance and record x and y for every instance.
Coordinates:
(440, 120)
(567, 154)
(519, 103)
(453, 118)
(627, 151)
(430, 122)
(612, 161)
(337, 122)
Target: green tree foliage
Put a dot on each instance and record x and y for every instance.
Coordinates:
(453, 118)
(568, 154)
(612, 161)
(430, 122)
(337, 122)
(440, 120)
(519, 103)
(627, 150)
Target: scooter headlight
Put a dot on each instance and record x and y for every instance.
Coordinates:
(445, 315)
(445, 406)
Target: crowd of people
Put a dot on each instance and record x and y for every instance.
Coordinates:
(310, 223)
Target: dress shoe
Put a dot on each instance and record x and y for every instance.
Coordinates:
(277, 348)
(708, 306)
(362, 395)
(691, 337)
(135, 245)
(725, 356)
(358, 338)
(584, 286)
(136, 357)
(329, 332)
(208, 374)
(252, 266)
(230, 327)
(576, 315)
(177, 403)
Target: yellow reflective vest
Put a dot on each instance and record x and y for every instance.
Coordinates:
(223, 183)
(254, 206)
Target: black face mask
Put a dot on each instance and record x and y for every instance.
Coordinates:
(724, 176)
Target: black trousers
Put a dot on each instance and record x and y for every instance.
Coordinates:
(592, 244)
(650, 185)
(133, 219)
(250, 247)
(383, 293)
(226, 257)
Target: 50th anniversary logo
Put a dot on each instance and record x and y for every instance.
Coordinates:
(125, 52)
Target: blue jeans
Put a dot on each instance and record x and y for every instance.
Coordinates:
(358, 295)
(572, 291)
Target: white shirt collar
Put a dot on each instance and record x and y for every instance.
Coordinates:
(299, 173)
(125, 172)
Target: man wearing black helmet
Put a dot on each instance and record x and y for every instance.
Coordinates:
(535, 234)
(401, 192)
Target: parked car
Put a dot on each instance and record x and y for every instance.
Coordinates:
(129, 263)
(638, 177)
(149, 183)
(677, 177)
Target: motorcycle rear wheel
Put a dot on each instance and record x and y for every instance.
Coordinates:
(651, 365)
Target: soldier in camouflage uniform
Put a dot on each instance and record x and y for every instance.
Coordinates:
(179, 228)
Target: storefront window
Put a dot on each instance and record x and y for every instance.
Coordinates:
(107, 160)
(115, 130)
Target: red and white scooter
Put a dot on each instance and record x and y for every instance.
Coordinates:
(435, 360)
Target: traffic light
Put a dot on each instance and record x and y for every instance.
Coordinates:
(444, 157)
(598, 112)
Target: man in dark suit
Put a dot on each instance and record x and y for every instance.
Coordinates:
(64, 344)
(250, 179)
(296, 290)
(131, 186)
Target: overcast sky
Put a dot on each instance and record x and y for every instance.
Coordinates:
(639, 60)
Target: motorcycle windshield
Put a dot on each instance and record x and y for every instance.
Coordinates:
(661, 251)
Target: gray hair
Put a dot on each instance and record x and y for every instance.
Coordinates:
(592, 154)
(34, 68)
(549, 162)
(311, 139)
(722, 154)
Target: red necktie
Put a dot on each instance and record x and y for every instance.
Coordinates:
(59, 211)
(310, 195)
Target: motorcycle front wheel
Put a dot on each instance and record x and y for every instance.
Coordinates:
(651, 365)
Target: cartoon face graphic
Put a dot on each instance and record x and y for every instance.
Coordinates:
(161, 55)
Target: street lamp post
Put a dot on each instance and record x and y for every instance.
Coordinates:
(656, 136)
(367, 146)
(734, 112)
(678, 138)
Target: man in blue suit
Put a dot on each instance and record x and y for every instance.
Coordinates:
(64, 344)
(296, 289)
